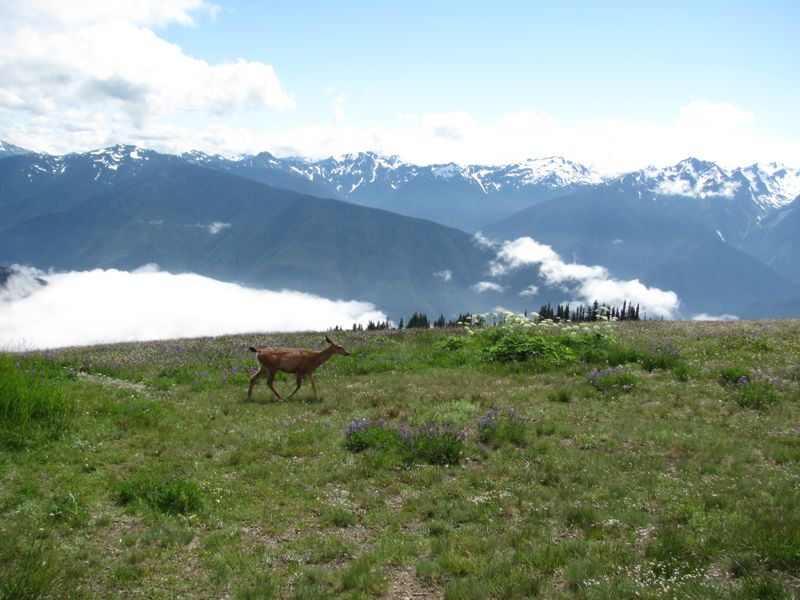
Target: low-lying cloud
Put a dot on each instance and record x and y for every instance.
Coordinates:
(487, 286)
(79, 308)
(586, 283)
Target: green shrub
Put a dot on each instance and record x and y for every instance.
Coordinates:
(509, 345)
(161, 491)
(452, 343)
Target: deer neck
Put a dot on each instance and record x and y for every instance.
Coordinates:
(324, 355)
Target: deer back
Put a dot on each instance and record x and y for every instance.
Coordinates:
(289, 360)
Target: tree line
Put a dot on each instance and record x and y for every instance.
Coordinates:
(597, 311)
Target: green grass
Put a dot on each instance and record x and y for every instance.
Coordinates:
(492, 466)
(32, 402)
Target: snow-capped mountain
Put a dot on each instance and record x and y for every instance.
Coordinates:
(462, 196)
(8, 149)
(473, 195)
(352, 172)
(58, 182)
(772, 185)
(766, 187)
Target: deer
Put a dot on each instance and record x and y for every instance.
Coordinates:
(300, 361)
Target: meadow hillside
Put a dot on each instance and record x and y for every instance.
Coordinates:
(646, 459)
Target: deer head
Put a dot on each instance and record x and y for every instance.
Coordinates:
(337, 348)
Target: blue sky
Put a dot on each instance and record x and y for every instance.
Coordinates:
(616, 85)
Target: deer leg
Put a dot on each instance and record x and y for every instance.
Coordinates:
(270, 379)
(253, 381)
(299, 383)
(313, 387)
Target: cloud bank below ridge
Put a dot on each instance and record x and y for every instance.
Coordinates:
(586, 283)
(99, 306)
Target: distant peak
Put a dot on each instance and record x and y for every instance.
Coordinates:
(9, 149)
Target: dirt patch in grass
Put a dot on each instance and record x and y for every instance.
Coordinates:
(121, 384)
(405, 585)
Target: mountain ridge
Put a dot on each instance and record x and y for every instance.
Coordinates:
(740, 216)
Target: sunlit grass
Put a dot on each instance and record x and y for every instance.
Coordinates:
(165, 481)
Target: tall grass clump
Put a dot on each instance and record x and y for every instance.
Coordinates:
(33, 404)
(434, 444)
(29, 569)
(161, 491)
(756, 395)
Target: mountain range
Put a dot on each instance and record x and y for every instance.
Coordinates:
(372, 227)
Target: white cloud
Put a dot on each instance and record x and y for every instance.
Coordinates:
(451, 127)
(706, 114)
(590, 283)
(610, 145)
(531, 290)
(90, 307)
(102, 64)
(482, 241)
(520, 252)
(707, 317)
(217, 226)
(682, 187)
(487, 286)
(445, 275)
(81, 78)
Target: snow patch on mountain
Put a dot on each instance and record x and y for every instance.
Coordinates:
(773, 185)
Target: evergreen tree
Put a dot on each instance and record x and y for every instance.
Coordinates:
(546, 312)
(418, 321)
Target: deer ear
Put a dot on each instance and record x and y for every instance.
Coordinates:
(327, 339)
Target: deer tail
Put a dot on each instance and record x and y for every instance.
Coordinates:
(252, 349)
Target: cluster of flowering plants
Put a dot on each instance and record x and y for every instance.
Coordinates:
(749, 390)
(366, 433)
(611, 380)
(433, 443)
(496, 428)
(661, 356)
(735, 376)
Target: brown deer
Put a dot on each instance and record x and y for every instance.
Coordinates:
(300, 361)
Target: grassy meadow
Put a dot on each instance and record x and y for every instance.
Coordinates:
(637, 459)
